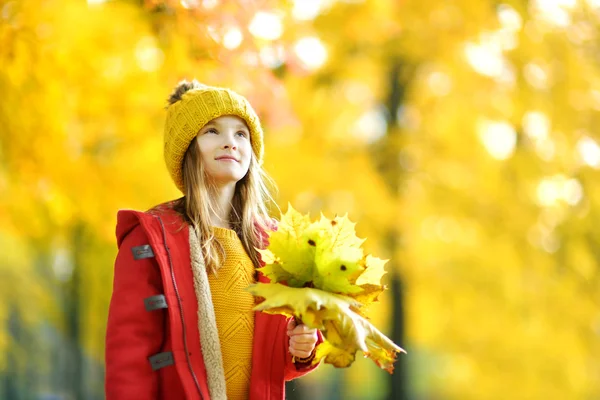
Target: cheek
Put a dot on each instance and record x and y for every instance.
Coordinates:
(246, 151)
(205, 158)
(207, 147)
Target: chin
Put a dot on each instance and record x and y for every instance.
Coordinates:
(225, 179)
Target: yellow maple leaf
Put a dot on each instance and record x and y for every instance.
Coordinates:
(373, 272)
(368, 296)
(344, 330)
(330, 283)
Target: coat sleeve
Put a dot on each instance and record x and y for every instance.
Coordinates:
(133, 334)
(295, 370)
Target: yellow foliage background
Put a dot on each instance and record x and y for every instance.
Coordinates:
(461, 136)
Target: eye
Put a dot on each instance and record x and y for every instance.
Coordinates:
(211, 130)
(242, 133)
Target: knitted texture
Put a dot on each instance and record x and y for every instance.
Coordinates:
(196, 108)
(233, 310)
(207, 325)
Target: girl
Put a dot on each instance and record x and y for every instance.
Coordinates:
(180, 324)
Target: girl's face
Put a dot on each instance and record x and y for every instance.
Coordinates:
(225, 148)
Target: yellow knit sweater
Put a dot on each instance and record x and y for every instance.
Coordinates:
(233, 311)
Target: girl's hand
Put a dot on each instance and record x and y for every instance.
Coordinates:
(302, 339)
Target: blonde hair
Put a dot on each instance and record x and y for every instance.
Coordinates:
(249, 216)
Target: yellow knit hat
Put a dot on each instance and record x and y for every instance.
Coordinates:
(196, 108)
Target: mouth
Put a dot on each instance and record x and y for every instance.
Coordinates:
(226, 158)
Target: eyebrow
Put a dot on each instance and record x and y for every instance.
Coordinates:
(238, 126)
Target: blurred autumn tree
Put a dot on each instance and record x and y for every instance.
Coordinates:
(459, 135)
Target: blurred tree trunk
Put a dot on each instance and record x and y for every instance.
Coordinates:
(387, 155)
(398, 381)
(73, 307)
(11, 376)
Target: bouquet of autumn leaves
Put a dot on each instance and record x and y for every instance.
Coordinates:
(329, 281)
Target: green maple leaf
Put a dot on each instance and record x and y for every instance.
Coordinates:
(325, 254)
(289, 257)
(338, 255)
(275, 272)
(336, 268)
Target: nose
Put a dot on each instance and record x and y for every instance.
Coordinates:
(229, 142)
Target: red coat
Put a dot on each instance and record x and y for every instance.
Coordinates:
(135, 334)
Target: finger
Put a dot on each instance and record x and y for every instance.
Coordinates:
(301, 329)
(305, 338)
(291, 325)
(302, 346)
(300, 353)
